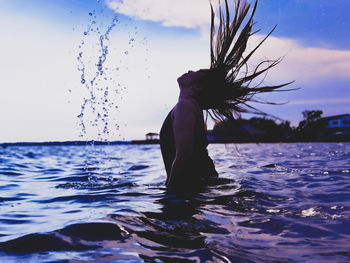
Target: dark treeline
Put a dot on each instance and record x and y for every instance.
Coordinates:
(254, 129)
(312, 128)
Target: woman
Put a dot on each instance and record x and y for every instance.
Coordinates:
(223, 91)
(183, 136)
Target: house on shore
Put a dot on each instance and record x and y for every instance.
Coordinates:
(152, 136)
(338, 121)
(335, 128)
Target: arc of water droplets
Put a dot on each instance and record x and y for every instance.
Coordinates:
(101, 100)
(92, 87)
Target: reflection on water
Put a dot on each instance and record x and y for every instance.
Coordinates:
(272, 202)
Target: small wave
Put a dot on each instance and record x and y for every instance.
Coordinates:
(87, 169)
(70, 238)
(138, 167)
(8, 186)
(39, 243)
(73, 178)
(88, 198)
(4, 199)
(98, 186)
(10, 173)
(30, 155)
(14, 221)
(274, 166)
(52, 171)
(94, 231)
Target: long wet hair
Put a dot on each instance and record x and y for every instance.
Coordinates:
(229, 80)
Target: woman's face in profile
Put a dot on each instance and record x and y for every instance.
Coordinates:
(192, 80)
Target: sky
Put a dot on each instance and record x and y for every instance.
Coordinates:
(107, 69)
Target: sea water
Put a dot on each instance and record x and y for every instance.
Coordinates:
(271, 203)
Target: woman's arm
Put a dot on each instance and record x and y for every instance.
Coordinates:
(185, 119)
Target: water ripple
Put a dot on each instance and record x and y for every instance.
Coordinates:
(271, 203)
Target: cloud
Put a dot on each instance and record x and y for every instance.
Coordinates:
(312, 62)
(302, 63)
(179, 13)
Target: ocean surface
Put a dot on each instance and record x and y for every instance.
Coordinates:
(272, 203)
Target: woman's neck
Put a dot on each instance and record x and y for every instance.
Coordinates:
(186, 94)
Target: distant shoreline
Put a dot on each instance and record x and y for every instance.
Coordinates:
(77, 143)
(62, 143)
(135, 142)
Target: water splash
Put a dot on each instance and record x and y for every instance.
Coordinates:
(97, 102)
(98, 110)
(102, 66)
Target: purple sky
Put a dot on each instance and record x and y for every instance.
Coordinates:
(150, 45)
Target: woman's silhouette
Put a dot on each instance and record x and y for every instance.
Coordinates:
(223, 91)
